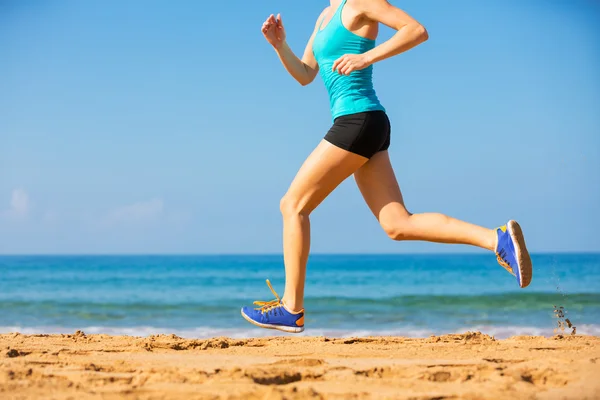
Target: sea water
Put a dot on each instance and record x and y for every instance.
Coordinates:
(346, 295)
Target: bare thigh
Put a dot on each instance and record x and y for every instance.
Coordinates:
(378, 185)
(324, 169)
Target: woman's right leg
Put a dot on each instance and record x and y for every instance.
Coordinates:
(378, 185)
(377, 182)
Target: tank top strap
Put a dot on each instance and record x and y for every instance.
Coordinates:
(336, 17)
(338, 12)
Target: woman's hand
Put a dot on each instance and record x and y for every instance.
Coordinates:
(351, 62)
(274, 31)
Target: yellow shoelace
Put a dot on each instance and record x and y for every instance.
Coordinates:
(504, 264)
(265, 306)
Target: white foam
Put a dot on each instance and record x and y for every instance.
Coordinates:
(499, 332)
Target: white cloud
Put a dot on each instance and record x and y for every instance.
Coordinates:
(137, 212)
(19, 202)
(20, 205)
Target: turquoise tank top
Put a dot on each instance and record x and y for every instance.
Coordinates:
(348, 94)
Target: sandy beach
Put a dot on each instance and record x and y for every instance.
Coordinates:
(464, 366)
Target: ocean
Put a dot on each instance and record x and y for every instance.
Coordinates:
(346, 295)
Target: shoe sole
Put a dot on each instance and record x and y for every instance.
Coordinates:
(283, 328)
(522, 255)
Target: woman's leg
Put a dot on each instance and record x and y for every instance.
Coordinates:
(325, 168)
(379, 187)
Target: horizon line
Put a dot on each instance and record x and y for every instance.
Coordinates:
(135, 254)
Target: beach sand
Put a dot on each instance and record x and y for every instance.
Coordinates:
(461, 366)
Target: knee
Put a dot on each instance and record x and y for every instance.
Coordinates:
(292, 205)
(397, 228)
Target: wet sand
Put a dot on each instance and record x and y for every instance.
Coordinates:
(466, 366)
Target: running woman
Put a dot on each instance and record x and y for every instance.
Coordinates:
(342, 50)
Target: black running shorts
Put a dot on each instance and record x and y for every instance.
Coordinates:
(364, 133)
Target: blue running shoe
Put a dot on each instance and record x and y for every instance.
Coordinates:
(274, 315)
(512, 253)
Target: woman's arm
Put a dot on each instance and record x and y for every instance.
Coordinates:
(410, 33)
(303, 70)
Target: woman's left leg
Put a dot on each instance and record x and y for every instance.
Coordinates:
(325, 168)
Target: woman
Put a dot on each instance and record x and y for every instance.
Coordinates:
(342, 49)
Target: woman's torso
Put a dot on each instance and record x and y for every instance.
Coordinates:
(348, 94)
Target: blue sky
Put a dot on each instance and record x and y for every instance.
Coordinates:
(171, 127)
